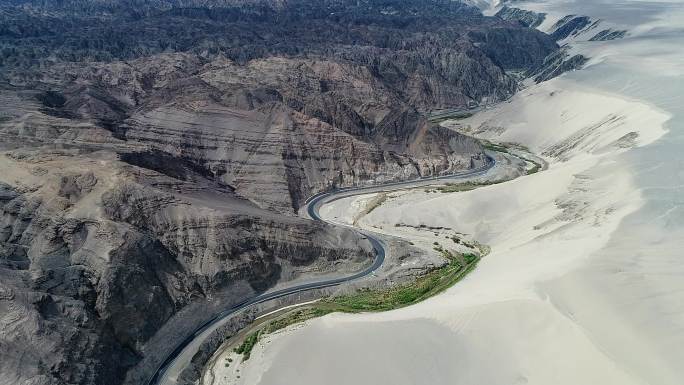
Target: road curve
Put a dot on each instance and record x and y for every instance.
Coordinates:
(170, 368)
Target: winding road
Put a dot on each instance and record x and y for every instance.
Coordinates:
(180, 357)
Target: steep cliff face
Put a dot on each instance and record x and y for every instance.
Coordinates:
(154, 154)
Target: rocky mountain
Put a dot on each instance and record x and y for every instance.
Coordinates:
(154, 154)
(568, 27)
(358, 68)
(97, 256)
(527, 18)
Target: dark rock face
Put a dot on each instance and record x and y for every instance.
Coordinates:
(608, 34)
(559, 61)
(154, 154)
(526, 18)
(556, 65)
(569, 25)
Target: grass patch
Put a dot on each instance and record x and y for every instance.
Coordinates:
(422, 288)
(466, 186)
(245, 348)
(295, 317)
(495, 147)
(368, 300)
(503, 146)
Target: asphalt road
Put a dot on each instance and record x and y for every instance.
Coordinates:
(178, 359)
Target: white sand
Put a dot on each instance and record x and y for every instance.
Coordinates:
(584, 282)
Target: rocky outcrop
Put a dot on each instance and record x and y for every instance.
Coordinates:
(557, 64)
(525, 17)
(608, 34)
(568, 26)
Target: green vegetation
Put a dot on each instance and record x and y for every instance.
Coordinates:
(466, 186)
(503, 146)
(247, 345)
(430, 284)
(297, 316)
(374, 300)
(495, 147)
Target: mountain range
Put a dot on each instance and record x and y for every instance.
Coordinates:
(155, 154)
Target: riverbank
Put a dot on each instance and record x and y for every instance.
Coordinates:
(225, 367)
